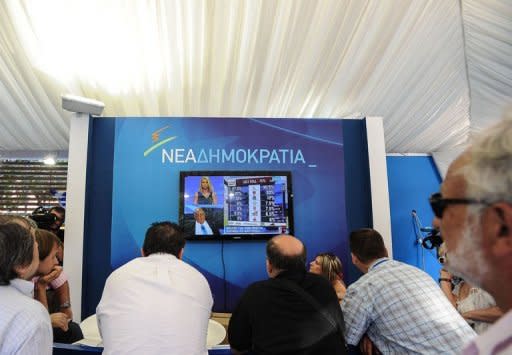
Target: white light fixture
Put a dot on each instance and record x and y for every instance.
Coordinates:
(80, 104)
(49, 160)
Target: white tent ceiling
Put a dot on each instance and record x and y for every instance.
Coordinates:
(434, 70)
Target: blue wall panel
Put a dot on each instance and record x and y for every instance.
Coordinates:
(319, 217)
(411, 180)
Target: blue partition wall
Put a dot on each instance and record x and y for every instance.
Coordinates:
(132, 181)
(411, 180)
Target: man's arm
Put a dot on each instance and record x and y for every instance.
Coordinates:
(357, 310)
(446, 286)
(62, 294)
(489, 315)
(39, 339)
(43, 282)
(239, 329)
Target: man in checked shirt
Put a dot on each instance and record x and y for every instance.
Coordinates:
(399, 307)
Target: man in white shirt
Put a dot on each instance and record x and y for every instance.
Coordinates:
(156, 304)
(25, 326)
(474, 210)
(202, 226)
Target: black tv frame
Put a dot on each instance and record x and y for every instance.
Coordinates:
(235, 237)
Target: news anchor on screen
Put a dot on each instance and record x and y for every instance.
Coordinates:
(201, 226)
(205, 195)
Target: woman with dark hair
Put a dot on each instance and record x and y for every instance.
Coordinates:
(52, 280)
(329, 266)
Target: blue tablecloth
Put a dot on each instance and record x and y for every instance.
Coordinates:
(70, 349)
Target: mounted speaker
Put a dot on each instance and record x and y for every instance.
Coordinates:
(80, 104)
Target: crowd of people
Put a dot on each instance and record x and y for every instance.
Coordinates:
(157, 303)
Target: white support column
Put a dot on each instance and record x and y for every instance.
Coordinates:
(379, 180)
(75, 208)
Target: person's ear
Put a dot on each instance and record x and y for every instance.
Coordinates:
(180, 253)
(142, 252)
(501, 228)
(355, 260)
(268, 266)
(21, 271)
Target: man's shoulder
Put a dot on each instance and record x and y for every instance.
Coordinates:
(317, 279)
(311, 283)
(190, 271)
(497, 339)
(260, 285)
(26, 309)
(125, 268)
(394, 269)
(138, 265)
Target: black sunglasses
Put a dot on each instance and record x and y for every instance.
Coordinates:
(438, 203)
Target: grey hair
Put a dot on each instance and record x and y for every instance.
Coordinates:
(489, 171)
(26, 222)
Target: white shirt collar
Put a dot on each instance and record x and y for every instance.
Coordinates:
(23, 286)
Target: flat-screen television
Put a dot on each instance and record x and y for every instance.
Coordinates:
(235, 205)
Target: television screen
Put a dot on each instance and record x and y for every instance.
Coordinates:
(235, 205)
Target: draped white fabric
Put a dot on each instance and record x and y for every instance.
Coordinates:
(400, 59)
(488, 32)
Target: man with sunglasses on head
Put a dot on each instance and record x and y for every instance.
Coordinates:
(474, 209)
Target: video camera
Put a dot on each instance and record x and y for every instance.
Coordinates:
(433, 239)
(43, 217)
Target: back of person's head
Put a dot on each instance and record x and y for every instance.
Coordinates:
(163, 237)
(282, 258)
(20, 220)
(367, 244)
(16, 250)
(331, 266)
(46, 241)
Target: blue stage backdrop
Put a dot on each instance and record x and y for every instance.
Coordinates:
(143, 157)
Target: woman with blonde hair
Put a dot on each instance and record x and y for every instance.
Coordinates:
(205, 194)
(329, 266)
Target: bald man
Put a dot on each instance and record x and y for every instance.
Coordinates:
(293, 312)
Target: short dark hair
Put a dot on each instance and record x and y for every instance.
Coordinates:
(46, 241)
(16, 250)
(60, 210)
(285, 262)
(367, 244)
(164, 237)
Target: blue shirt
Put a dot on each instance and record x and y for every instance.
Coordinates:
(403, 311)
(25, 326)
